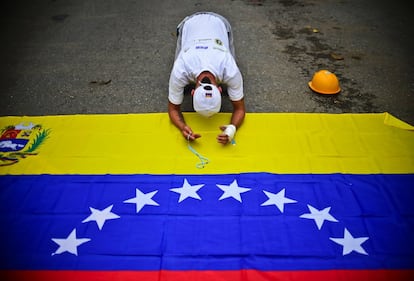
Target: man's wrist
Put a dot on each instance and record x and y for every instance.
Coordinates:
(230, 131)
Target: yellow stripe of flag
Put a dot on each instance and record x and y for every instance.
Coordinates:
(267, 142)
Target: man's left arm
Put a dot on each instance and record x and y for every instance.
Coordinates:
(236, 121)
(234, 80)
(239, 112)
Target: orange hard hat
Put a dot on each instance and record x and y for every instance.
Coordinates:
(325, 82)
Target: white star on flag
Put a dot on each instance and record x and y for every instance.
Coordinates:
(142, 199)
(187, 190)
(319, 216)
(232, 190)
(279, 199)
(101, 216)
(350, 243)
(70, 244)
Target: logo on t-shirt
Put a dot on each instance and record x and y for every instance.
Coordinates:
(218, 42)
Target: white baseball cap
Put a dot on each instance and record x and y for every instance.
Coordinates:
(207, 100)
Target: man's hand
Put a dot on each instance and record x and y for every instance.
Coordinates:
(188, 133)
(223, 138)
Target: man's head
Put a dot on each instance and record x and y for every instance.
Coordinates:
(206, 96)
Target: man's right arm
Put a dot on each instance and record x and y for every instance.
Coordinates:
(176, 117)
(178, 80)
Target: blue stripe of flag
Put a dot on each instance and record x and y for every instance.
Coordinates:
(207, 222)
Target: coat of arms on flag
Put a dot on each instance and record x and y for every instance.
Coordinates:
(19, 141)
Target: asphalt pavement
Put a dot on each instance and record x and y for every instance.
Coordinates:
(115, 56)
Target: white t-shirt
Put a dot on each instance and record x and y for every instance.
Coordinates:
(205, 47)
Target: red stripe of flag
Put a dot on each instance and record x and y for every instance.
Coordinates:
(208, 275)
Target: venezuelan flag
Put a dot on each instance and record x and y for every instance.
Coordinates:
(122, 197)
